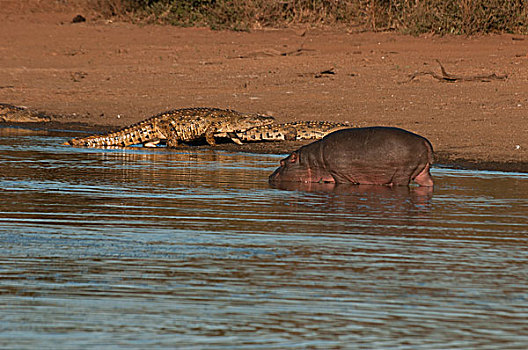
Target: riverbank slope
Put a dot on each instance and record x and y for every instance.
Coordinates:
(107, 75)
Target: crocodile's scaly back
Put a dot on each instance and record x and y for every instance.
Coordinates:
(178, 125)
(295, 131)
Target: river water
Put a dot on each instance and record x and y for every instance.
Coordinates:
(192, 249)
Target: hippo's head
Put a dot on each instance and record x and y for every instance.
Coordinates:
(294, 169)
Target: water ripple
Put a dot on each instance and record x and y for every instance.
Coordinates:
(192, 249)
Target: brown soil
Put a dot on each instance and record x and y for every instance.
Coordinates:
(109, 74)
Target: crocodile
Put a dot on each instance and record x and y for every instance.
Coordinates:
(16, 114)
(294, 131)
(178, 125)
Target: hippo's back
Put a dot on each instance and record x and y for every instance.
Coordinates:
(375, 155)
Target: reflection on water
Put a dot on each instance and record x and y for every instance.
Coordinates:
(186, 249)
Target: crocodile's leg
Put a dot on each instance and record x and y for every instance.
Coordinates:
(173, 139)
(152, 144)
(209, 136)
(172, 142)
(290, 134)
(234, 137)
(169, 129)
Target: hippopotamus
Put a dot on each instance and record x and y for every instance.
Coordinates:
(370, 156)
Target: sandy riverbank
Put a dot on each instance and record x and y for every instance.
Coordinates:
(107, 75)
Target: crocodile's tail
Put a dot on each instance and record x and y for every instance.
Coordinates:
(142, 132)
(314, 130)
(293, 131)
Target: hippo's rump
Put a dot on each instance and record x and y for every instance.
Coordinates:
(375, 155)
